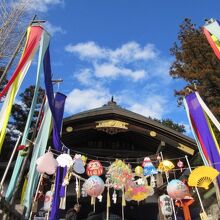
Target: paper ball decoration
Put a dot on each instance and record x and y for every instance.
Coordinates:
(202, 176)
(94, 186)
(138, 170)
(119, 174)
(176, 189)
(78, 166)
(65, 160)
(94, 168)
(47, 164)
(165, 166)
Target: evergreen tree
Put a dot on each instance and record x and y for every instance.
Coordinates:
(18, 120)
(196, 63)
(170, 124)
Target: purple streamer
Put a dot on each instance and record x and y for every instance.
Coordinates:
(201, 125)
(57, 108)
(62, 188)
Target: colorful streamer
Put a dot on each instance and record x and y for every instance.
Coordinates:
(203, 131)
(13, 85)
(34, 36)
(39, 150)
(212, 33)
(43, 45)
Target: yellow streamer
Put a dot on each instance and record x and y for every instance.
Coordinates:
(9, 100)
(24, 189)
(213, 135)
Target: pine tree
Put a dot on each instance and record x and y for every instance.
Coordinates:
(18, 119)
(196, 63)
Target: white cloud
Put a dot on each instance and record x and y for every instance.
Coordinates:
(80, 100)
(36, 5)
(132, 51)
(53, 29)
(112, 71)
(43, 5)
(153, 106)
(127, 53)
(87, 50)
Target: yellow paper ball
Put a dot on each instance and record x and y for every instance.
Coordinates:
(138, 171)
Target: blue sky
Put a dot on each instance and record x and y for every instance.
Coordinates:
(102, 48)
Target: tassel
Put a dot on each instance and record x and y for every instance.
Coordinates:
(78, 192)
(108, 204)
(123, 198)
(108, 199)
(92, 200)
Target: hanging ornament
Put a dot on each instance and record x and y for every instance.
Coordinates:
(138, 171)
(165, 166)
(94, 168)
(166, 205)
(84, 159)
(46, 164)
(119, 174)
(202, 176)
(114, 197)
(152, 181)
(67, 178)
(149, 168)
(48, 200)
(78, 166)
(138, 192)
(158, 157)
(94, 186)
(178, 190)
(65, 160)
(100, 198)
(83, 192)
(180, 165)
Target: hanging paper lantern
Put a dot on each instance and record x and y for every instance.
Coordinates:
(46, 164)
(180, 165)
(94, 186)
(176, 189)
(202, 176)
(119, 174)
(149, 168)
(78, 166)
(165, 166)
(166, 206)
(65, 160)
(138, 171)
(94, 168)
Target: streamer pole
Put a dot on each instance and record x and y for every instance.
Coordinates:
(9, 164)
(197, 191)
(173, 207)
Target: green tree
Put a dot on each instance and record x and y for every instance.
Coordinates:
(18, 119)
(196, 63)
(170, 124)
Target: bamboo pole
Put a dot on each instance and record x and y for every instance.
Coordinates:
(8, 166)
(173, 207)
(200, 200)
